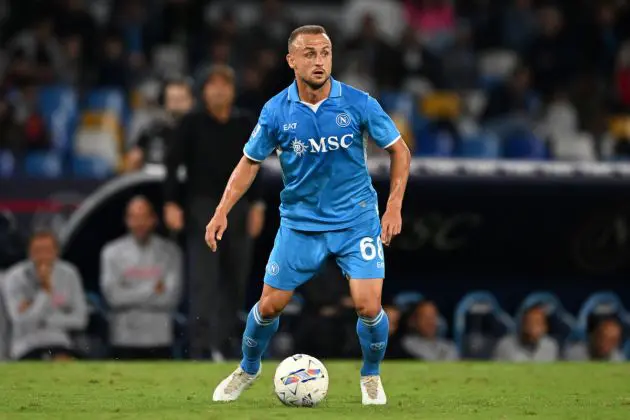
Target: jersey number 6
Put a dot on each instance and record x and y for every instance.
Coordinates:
(368, 250)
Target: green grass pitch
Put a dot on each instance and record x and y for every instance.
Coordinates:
(183, 390)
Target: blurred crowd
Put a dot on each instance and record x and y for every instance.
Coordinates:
(529, 79)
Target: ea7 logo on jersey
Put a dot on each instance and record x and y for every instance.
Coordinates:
(291, 126)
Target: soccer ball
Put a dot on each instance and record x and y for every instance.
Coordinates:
(301, 381)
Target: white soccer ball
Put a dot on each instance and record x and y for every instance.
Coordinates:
(301, 381)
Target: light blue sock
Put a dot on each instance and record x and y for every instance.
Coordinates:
(373, 333)
(256, 337)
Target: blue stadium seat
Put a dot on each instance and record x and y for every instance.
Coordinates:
(111, 100)
(524, 146)
(433, 143)
(7, 164)
(44, 165)
(398, 103)
(485, 145)
(561, 322)
(479, 323)
(601, 305)
(58, 105)
(406, 301)
(91, 167)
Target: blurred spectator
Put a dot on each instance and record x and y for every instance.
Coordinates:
(11, 132)
(551, 55)
(600, 40)
(28, 115)
(113, 70)
(210, 144)
(423, 342)
(519, 25)
(417, 61)
(141, 282)
(45, 301)
(75, 22)
(40, 50)
(250, 95)
(394, 346)
(532, 344)
(177, 100)
(434, 20)
(603, 344)
(514, 98)
(623, 76)
(460, 62)
(75, 71)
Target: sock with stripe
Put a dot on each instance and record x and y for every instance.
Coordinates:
(373, 333)
(256, 337)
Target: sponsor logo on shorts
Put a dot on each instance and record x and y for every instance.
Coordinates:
(273, 268)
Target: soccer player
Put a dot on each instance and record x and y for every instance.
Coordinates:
(328, 205)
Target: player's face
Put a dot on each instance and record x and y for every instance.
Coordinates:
(311, 59)
(427, 320)
(218, 92)
(177, 99)
(607, 339)
(535, 324)
(140, 219)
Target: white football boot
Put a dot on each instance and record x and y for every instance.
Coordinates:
(372, 391)
(231, 387)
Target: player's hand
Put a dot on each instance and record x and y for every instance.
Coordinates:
(391, 225)
(215, 229)
(173, 217)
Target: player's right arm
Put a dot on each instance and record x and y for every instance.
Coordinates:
(260, 145)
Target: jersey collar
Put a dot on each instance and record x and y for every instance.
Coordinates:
(335, 90)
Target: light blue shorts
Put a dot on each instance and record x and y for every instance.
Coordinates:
(298, 255)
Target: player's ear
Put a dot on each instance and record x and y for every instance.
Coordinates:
(290, 61)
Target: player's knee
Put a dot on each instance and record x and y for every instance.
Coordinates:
(269, 308)
(368, 309)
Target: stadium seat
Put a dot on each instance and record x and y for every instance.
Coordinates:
(100, 134)
(440, 105)
(399, 103)
(418, 86)
(433, 143)
(91, 167)
(484, 145)
(59, 108)
(574, 146)
(44, 165)
(7, 164)
(524, 146)
(601, 305)
(479, 324)
(561, 322)
(108, 101)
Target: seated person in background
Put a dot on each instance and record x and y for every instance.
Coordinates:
(603, 344)
(394, 347)
(141, 278)
(423, 343)
(532, 343)
(45, 302)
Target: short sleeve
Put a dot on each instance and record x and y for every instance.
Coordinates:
(379, 125)
(261, 142)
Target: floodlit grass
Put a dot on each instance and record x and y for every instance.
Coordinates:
(183, 390)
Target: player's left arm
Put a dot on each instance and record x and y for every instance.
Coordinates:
(384, 132)
(400, 159)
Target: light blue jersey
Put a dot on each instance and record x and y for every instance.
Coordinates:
(322, 153)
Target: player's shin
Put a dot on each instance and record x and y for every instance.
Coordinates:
(373, 333)
(258, 333)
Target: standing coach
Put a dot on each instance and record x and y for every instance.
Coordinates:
(208, 142)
